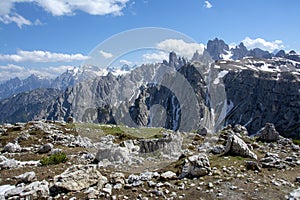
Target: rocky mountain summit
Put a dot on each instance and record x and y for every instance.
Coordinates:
(58, 160)
(222, 86)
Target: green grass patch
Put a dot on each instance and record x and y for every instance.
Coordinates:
(54, 159)
(296, 142)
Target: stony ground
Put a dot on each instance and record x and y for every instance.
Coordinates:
(89, 161)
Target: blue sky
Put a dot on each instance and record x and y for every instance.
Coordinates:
(48, 36)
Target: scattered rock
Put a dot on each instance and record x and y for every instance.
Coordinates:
(268, 133)
(169, 175)
(12, 148)
(55, 151)
(240, 129)
(27, 177)
(218, 149)
(7, 163)
(35, 190)
(117, 178)
(237, 146)
(78, 177)
(252, 165)
(295, 195)
(45, 148)
(272, 160)
(134, 180)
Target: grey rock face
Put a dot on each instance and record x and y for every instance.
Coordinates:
(257, 97)
(26, 106)
(237, 146)
(78, 177)
(216, 47)
(268, 133)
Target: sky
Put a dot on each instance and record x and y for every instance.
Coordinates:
(46, 37)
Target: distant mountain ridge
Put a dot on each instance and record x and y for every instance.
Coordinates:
(216, 49)
(247, 87)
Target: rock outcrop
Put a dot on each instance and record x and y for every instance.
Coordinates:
(195, 166)
(78, 177)
(237, 146)
(268, 133)
(35, 190)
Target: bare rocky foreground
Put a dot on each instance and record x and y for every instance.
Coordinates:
(55, 160)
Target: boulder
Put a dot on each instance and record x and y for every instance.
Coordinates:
(117, 178)
(45, 148)
(78, 177)
(252, 165)
(114, 154)
(268, 133)
(12, 148)
(170, 144)
(27, 177)
(218, 149)
(6, 163)
(237, 146)
(35, 190)
(196, 166)
(169, 175)
(295, 194)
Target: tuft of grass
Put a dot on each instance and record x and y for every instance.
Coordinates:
(296, 142)
(54, 159)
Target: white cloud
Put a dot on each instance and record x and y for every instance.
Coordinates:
(60, 8)
(42, 56)
(125, 62)
(155, 57)
(207, 4)
(11, 71)
(15, 18)
(263, 44)
(106, 54)
(181, 47)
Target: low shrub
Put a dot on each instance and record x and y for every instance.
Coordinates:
(54, 159)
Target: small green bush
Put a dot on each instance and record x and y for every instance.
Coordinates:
(54, 159)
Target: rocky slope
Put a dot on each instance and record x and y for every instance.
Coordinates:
(55, 160)
(26, 106)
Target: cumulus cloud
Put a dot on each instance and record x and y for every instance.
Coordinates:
(60, 8)
(181, 47)
(106, 54)
(207, 4)
(263, 44)
(155, 57)
(11, 71)
(41, 56)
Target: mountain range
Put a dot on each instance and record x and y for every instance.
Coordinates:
(219, 87)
